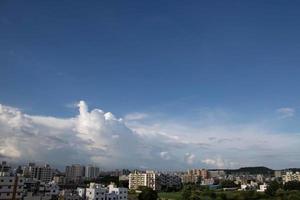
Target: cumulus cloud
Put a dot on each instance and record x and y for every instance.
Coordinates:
(218, 162)
(92, 136)
(286, 112)
(96, 136)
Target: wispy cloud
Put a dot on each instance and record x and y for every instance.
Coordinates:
(135, 116)
(286, 112)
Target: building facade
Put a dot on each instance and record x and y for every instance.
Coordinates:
(75, 173)
(91, 172)
(290, 176)
(11, 187)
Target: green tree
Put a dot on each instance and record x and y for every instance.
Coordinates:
(272, 188)
(228, 184)
(186, 192)
(195, 195)
(147, 194)
(292, 185)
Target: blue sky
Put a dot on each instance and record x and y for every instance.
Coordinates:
(171, 60)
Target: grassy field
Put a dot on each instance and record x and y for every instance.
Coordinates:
(170, 195)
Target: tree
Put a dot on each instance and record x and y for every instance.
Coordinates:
(292, 185)
(228, 184)
(195, 195)
(272, 188)
(186, 192)
(147, 194)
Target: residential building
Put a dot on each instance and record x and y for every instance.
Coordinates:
(262, 188)
(91, 172)
(290, 176)
(170, 181)
(4, 167)
(75, 173)
(59, 179)
(119, 192)
(11, 187)
(149, 179)
(43, 173)
(69, 195)
(278, 173)
(96, 192)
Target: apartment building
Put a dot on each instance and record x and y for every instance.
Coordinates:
(169, 181)
(290, 176)
(42, 173)
(91, 172)
(75, 173)
(153, 180)
(95, 192)
(11, 187)
(119, 192)
(149, 179)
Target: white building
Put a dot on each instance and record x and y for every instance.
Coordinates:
(11, 187)
(95, 192)
(120, 193)
(149, 179)
(99, 192)
(290, 176)
(262, 188)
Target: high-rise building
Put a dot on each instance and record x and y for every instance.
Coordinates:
(91, 172)
(42, 173)
(75, 173)
(149, 179)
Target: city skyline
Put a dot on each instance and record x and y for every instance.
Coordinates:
(151, 85)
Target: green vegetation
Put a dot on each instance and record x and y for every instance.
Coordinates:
(147, 194)
(170, 195)
(275, 191)
(230, 195)
(250, 170)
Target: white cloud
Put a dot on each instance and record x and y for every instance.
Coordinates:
(135, 116)
(165, 155)
(189, 158)
(286, 112)
(218, 162)
(100, 137)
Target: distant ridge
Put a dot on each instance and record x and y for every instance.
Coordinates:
(250, 170)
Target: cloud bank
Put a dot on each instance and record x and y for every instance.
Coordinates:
(141, 140)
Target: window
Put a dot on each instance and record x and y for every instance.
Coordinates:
(2, 180)
(10, 180)
(9, 187)
(21, 181)
(7, 194)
